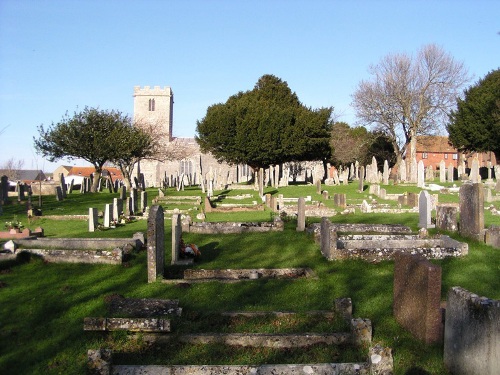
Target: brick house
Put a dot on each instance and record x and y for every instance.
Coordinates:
(432, 149)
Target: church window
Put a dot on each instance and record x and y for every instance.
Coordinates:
(151, 104)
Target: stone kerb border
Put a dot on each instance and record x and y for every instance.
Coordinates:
(100, 362)
(232, 227)
(78, 250)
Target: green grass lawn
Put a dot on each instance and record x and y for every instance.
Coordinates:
(42, 305)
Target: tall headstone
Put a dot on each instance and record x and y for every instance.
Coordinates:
(361, 183)
(261, 182)
(123, 192)
(117, 208)
(133, 195)
(385, 174)
(413, 171)
(156, 243)
(474, 171)
(108, 215)
(59, 194)
(420, 174)
(472, 211)
(129, 207)
(451, 170)
(301, 215)
(442, 171)
(144, 201)
(424, 210)
(93, 219)
(176, 237)
(64, 188)
(402, 171)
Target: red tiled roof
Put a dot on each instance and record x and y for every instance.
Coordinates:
(435, 144)
(87, 171)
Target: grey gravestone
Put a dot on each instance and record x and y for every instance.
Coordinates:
(318, 186)
(93, 219)
(176, 237)
(156, 243)
(133, 195)
(385, 174)
(63, 185)
(474, 171)
(413, 171)
(420, 174)
(129, 207)
(123, 192)
(339, 200)
(446, 217)
(59, 194)
(361, 185)
(402, 171)
(328, 239)
(108, 214)
(442, 171)
(472, 211)
(451, 170)
(71, 184)
(117, 208)
(144, 200)
(301, 215)
(424, 210)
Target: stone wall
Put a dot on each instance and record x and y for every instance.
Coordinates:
(472, 334)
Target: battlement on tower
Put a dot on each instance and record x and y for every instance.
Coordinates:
(154, 91)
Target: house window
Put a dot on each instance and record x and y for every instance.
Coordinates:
(446, 156)
(455, 156)
(151, 104)
(424, 155)
(186, 167)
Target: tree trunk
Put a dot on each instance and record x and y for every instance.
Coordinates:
(97, 177)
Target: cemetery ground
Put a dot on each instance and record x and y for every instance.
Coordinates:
(43, 305)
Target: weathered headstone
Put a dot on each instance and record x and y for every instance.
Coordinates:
(451, 171)
(361, 183)
(413, 170)
(412, 199)
(133, 195)
(117, 208)
(420, 174)
(442, 171)
(472, 211)
(176, 237)
(417, 297)
(129, 207)
(424, 210)
(301, 215)
(385, 174)
(339, 200)
(474, 171)
(108, 215)
(318, 186)
(328, 239)
(156, 243)
(402, 171)
(446, 217)
(59, 194)
(123, 192)
(93, 219)
(144, 201)
(64, 188)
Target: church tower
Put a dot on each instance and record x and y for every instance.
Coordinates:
(154, 106)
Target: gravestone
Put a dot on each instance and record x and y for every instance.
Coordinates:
(156, 243)
(63, 185)
(59, 194)
(417, 297)
(488, 196)
(339, 200)
(385, 174)
(93, 219)
(108, 214)
(474, 171)
(208, 204)
(424, 210)
(451, 171)
(472, 211)
(420, 174)
(361, 183)
(301, 215)
(403, 200)
(133, 195)
(492, 237)
(328, 239)
(71, 186)
(402, 171)
(446, 217)
(413, 170)
(261, 182)
(117, 208)
(429, 173)
(412, 199)
(176, 237)
(144, 201)
(318, 186)
(442, 171)
(123, 193)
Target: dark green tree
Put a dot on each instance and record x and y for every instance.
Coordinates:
(94, 135)
(265, 126)
(475, 124)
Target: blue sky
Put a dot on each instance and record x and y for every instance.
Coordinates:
(61, 55)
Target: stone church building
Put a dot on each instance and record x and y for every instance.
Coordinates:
(154, 106)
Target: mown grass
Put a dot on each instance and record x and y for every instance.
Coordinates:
(42, 305)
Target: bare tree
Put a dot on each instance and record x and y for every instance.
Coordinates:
(410, 96)
(12, 168)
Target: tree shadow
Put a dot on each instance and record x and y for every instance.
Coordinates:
(417, 371)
